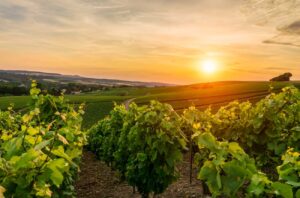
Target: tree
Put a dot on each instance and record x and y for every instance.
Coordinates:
(283, 77)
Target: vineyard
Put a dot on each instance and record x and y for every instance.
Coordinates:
(41, 149)
(242, 149)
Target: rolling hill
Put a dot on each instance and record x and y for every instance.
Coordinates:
(23, 78)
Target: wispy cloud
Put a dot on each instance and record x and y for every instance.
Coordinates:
(283, 16)
(12, 12)
(280, 68)
(293, 28)
(283, 40)
(90, 36)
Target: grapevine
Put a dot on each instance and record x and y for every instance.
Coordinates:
(41, 149)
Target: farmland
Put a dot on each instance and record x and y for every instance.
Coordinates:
(149, 124)
(98, 104)
(242, 149)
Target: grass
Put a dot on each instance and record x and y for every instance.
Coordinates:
(98, 104)
(18, 102)
(213, 94)
(96, 111)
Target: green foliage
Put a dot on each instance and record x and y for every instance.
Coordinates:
(289, 171)
(143, 143)
(275, 126)
(104, 136)
(123, 152)
(156, 144)
(195, 122)
(240, 145)
(228, 167)
(40, 150)
(232, 121)
(229, 171)
(265, 130)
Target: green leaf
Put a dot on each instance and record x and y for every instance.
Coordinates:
(235, 147)
(208, 173)
(32, 131)
(61, 153)
(13, 147)
(57, 167)
(284, 190)
(208, 140)
(258, 184)
(26, 159)
(235, 175)
(43, 144)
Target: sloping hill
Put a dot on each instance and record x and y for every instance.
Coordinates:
(23, 78)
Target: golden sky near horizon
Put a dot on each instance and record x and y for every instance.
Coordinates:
(157, 40)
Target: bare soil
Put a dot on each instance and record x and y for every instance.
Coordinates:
(96, 180)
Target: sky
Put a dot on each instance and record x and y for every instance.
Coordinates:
(157, 40)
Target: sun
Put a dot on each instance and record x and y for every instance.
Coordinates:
(209, 66)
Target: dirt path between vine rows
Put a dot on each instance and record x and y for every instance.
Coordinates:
(96, 180)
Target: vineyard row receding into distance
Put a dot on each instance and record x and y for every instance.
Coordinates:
(242, 149)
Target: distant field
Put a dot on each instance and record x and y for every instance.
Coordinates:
(98, 104)
(214, 94)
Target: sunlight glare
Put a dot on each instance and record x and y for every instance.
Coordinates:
(209, 66)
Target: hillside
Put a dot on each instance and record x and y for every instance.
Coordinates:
(23, 78)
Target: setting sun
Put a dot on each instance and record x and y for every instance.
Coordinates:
(209, 66)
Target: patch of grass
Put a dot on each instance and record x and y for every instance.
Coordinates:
(18, 102)
(95, 112)
(214, 94)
